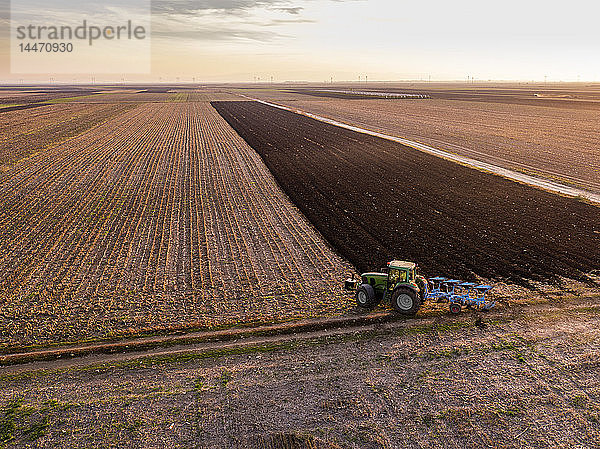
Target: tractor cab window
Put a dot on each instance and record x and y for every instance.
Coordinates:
(393, 276)
(411, 275)
(396, 276)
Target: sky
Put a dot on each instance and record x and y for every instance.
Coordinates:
(318, 40)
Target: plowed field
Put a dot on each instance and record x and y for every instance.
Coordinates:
(156, 219)
(560, 144)
(375, 200)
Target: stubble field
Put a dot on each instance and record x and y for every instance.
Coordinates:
(26, 131)
(159, 218)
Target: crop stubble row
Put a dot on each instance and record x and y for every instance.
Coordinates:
(162, 217)
(36, 95)
(375, 200)
(26, 131)
(121, 97)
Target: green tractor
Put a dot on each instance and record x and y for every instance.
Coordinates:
(399, 284)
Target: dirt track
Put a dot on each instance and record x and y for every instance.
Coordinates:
(524, 377)
(375, 200)
(71, 355)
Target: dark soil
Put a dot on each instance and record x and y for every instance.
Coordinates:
(376, 200)
(286, 441)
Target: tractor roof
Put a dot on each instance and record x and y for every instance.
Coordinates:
(401, 264)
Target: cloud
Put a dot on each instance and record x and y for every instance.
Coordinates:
(276, 22)
(212, 34)
(193, 7)
(187, 7)
(225, 20)
(230, 20)
(290, 10)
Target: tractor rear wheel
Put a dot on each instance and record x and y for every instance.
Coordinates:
(365, 296)
(405, 301)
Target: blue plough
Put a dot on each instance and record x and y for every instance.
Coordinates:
(458, 293)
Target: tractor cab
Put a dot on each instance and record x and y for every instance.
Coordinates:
(399, 272)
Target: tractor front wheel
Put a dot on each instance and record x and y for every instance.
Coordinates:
(405, 301)
(365, 296)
